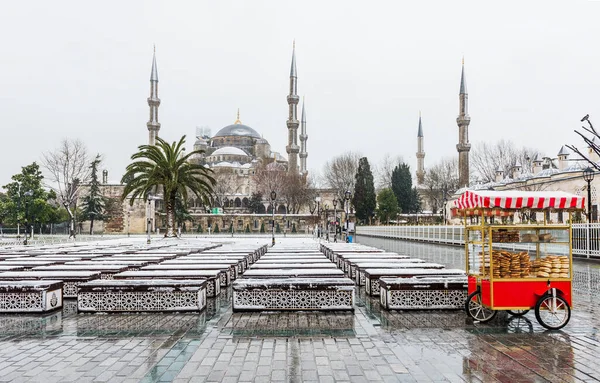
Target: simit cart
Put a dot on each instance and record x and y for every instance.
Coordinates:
(519, 266)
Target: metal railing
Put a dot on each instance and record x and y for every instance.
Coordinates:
(586, 237)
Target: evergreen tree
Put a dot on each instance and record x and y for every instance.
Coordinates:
(294, 228)
(407, 197)
(216, 228)
(247, 228)
(94, 202)
(364, 198)
(387, 205)
(200, 229)
(277, 228)
(28, 202)
(262, 227)
(255, 203)
(231, 227)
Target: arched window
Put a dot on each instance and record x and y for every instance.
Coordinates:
(261, 209)
(245, 202)
(281, 209)
(238, 202)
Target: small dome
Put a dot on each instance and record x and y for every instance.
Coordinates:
(238, 130)
(229, 150)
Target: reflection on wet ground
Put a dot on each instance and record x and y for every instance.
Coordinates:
(369, 344)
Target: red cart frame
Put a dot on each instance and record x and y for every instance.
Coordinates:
(518, 267)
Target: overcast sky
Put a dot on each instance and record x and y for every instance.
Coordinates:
(81, 69)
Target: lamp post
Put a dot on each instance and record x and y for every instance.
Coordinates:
(347, 196)
(334, 220)
(151, 197)
(18, 211)
(128, 220)
(318, 200)
(588, 176)
(28, 193)
(273, 197)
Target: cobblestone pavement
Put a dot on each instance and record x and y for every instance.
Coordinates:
(367, 345)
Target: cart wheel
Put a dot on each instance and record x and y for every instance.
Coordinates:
(477, 310)
(517, 313)
(552, 317)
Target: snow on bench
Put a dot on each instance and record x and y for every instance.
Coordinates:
(251, 294)
(140, 295)
(294, 273)
(71, 279)
(449, 292)
(372, 275)
(30, 296)
(213, 285)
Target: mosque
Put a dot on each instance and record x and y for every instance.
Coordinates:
(556, 173)
(234, 153)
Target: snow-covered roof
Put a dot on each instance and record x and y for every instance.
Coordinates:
(547, 173)
(229, 150)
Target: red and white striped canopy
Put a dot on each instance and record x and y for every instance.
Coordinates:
(516, 199)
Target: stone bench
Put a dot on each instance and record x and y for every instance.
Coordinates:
(135, 295)
(106, 271)
(240, 263)
(321, 265)
(372, 276)
(30, 296)
(423, 293)
(293, 294)
(230, 271)
(130, 265)
(212, 277)
(331, 250)
(351, 266)
(341, 258)
(293, 273)
(27, 264)
(71, 279)
(360, 275)
(252, 255)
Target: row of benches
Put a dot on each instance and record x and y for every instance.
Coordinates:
(399, 281)
(172, 278)
(293, 276)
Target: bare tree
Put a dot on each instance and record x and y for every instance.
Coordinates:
(487, 158)
(226, 184)
(441, 180)
(268, 178)
(592, 142)
(68, 169)
(297, 192)
(339, 173)
(383, 171)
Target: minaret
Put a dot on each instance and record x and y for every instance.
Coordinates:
(420, 155)
(292, 148)
(303, 138)
(153, 101)
(463, 121)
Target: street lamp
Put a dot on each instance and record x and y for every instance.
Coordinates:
(273, 197)
(28, 193)
(588, 176)
(128, 220)
(18, 211)
(318, 200)
(151, 197)
(334, 220)
(347, 196)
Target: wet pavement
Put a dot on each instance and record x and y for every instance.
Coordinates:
(368, 345)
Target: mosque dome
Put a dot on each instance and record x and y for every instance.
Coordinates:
(229, 150)
(238, 129)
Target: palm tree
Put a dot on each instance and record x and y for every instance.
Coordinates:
(165, 167)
